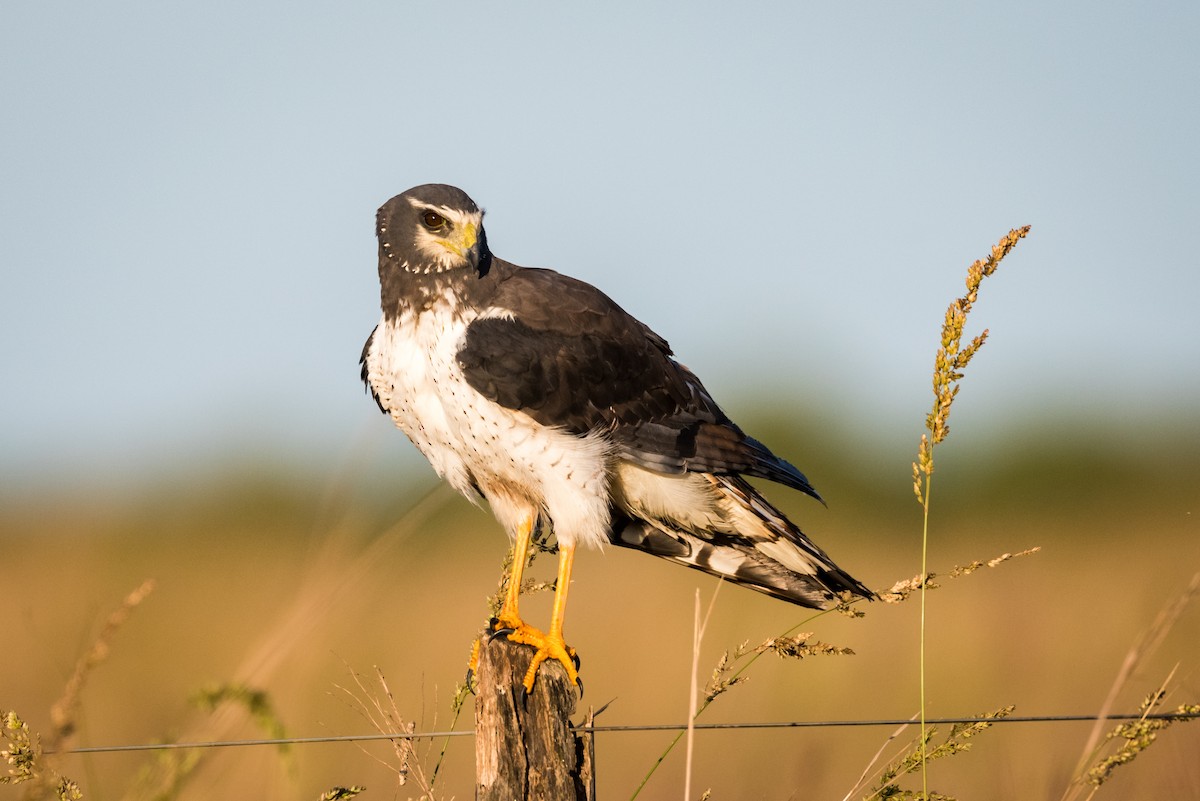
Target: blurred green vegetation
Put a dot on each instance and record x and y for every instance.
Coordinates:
(271, 581)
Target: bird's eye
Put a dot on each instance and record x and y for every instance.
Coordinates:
(433, 220)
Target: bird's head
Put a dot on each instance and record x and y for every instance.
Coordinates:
(432, 229)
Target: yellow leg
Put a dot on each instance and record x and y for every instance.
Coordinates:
(509, 617)
(566, 560)
(548, 645)
(551, 645)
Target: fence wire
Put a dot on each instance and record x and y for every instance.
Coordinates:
(791, 724)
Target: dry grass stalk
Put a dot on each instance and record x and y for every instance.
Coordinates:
(65, 709)
(1133, 737)
(339, 565)
(24, 751)
(380, 710)
(866, 774)
(1142, 648)
(698, 628)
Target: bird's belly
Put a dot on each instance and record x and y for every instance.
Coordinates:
(523, 467)
(478, 446)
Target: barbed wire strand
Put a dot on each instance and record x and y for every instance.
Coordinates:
(791, 724)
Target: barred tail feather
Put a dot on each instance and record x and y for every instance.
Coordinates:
(753, 544)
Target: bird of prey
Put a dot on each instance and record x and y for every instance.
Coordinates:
(538, 393)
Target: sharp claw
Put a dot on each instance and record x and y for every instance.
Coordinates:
(523, 696)
(544, 647)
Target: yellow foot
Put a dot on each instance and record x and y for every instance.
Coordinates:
(547, 646)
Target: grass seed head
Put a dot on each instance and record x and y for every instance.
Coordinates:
(952, 359)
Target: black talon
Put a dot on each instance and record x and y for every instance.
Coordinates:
(579, 682)
(575, 661)
(499, 632)
(523, 696)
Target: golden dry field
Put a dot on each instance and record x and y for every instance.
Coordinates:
(289, 587)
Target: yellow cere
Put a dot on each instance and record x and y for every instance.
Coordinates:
(463, 241)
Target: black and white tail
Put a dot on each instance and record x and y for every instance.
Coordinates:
(745, 540)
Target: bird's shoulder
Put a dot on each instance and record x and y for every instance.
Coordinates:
(546, 301)
(565, 353)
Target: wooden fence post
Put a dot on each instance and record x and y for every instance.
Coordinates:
(527, 750)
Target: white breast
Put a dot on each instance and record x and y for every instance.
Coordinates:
(519, 465)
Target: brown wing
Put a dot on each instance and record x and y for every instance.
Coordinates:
(568, 356)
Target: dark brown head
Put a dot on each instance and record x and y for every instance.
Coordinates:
(429, 230)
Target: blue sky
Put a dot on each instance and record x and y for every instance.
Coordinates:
(790, 193)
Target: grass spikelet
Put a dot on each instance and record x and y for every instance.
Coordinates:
(1135, 736)
(342, 793)
(923, 750)
(722, 679)
(952, 359)
(847, 606)
(67, 790)
(798, 647)
(22, 750)
(902, 590)
(27, 762)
